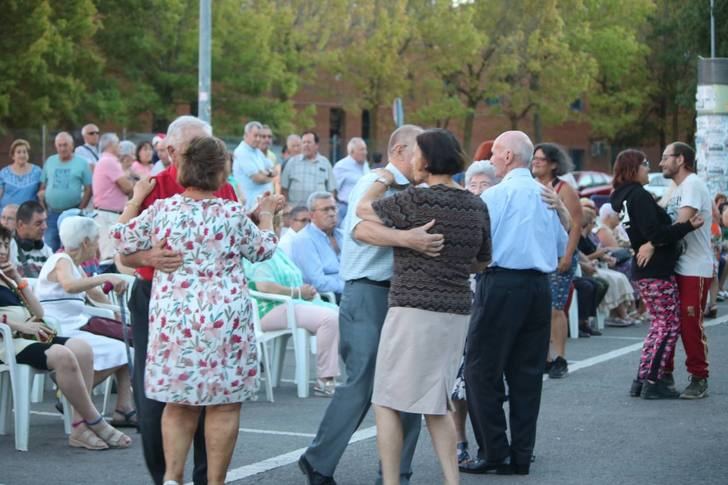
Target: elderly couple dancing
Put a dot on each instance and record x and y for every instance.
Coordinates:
(404, 359)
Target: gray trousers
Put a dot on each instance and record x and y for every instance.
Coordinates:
(361, 317)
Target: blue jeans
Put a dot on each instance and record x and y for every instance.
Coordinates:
(51, 235)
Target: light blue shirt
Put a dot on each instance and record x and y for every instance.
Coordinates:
(358, 259)
(347, 173)
(247, 161)
(317, 260)
(526, 234)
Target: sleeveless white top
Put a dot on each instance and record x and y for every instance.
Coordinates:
(66, 308)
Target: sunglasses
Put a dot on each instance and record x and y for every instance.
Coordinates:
(94, 132)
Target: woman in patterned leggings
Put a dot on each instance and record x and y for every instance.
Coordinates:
(645, 221)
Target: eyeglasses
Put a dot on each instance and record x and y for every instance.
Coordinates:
(645, 163)
(306, 220)
(665, 157)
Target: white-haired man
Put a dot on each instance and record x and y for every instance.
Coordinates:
(510, 323)
(316, 249)
(348, 171)
(65, 184)
(252, 170)
(89, 151)
(182, 130)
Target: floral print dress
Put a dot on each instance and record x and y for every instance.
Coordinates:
(202, 347)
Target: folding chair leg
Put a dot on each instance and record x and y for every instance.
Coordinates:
(21, 400)
(6, 410)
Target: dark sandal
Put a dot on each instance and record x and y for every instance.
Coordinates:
(127, 422)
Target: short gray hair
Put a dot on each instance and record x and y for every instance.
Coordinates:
(127, 149)
(252, 124)
(317, 196)
(178, 129)
(75, 230)
(403, 133)
(107, 140)
(481, 167)
(353, 143)
(291, 138)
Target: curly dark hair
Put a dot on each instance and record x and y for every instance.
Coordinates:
(205, 164)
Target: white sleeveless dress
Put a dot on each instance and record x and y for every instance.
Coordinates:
(68, 310)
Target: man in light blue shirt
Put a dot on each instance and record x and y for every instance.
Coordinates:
(252, 170)
(510, 324)
(316, 249)
(366, 266)
(348, 171)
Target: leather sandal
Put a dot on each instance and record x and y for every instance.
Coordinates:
(113, 437)
(127, 421)
(86, 439)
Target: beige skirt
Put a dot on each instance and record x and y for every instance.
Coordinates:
(418, 359)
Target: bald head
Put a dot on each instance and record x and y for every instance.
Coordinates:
(512, 149)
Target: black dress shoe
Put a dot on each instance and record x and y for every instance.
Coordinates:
(313, 477)
(480, 467)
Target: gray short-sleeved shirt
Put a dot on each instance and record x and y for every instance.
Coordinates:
(303, 177)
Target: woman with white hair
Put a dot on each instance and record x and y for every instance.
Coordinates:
(62, 290)
(480, 176)
(112, 187)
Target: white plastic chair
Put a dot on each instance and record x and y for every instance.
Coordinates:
(15, 382)
(264, 340)
(301, 344)
(573, 313)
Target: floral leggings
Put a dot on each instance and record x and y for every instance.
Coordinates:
(662, 301)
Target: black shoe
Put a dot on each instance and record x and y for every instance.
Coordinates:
(669, 381)
(559, 368)
(636, 389)
(584, 332)
(313, 477)
(481, 467)
(658, 390)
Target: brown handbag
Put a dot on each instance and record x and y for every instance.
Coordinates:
(106, 327)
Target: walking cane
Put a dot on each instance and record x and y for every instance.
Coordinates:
(108, 287)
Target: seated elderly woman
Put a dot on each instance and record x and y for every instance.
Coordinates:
(62, 290)
(36, 344)
(619, 299)
(279, 275)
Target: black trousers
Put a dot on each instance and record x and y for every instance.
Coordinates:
(508, 335)
(149, 411)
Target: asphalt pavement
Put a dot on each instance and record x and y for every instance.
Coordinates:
(590, 432)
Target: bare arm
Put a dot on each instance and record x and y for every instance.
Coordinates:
(63, 274)
(41, 195)
(685, 213)
(262, 177)
(126, 185)
(86, 197)
(417, 238)
(364, 209)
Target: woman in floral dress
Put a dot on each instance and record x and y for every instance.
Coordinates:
(202, 349)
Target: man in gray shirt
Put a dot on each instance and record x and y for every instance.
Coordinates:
(307, 173)
(366, 265)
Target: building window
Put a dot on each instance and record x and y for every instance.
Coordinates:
(366, 125)
(577, 156)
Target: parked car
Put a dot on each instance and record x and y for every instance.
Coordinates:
(591, 182)
(658, 185)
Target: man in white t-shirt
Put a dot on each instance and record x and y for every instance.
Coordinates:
(695, 267)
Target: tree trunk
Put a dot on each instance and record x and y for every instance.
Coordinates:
(537, 128)
(374, 132)
(469, 121)
(514, 122)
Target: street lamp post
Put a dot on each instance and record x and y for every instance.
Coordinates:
(204, 93)
(712, 29)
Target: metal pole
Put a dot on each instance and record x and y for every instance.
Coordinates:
(712, 29)
(205, 61)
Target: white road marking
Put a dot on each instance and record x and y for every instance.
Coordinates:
(367, 433)
(281, 433)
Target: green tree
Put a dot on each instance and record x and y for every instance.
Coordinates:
(48, 61)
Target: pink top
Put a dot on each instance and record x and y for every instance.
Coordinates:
(141, 170)
(107, 194)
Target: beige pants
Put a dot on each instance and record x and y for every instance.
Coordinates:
(106, 220)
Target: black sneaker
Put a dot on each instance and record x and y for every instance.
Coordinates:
(697, 389)
(669, 381)
(658, 390)
(559, 368)
(636, 389)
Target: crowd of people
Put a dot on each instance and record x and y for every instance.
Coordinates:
(506, 245)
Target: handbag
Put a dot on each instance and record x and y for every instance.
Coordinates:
(106, 327)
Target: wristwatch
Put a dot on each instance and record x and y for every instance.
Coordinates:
(383, 181)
